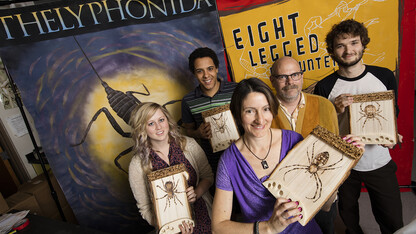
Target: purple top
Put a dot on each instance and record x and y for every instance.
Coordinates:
(236, 174)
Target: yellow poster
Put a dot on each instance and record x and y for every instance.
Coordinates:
(255, 38)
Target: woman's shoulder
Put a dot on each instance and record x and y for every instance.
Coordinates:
(135, 165)
(287, 135)
(190, 143)
(189, 139)
(290, 133)
(135, 160)
(231, 151)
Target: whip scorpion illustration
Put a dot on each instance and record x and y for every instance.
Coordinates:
(316, 164)
(123, 104)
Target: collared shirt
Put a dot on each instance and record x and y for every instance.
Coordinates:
(293, 117)
(196, 102)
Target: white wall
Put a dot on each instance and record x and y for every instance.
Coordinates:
(22, 144)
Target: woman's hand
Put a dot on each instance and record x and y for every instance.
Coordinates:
(354, 140)
(285, 212)
(190, 193)
(186, 227)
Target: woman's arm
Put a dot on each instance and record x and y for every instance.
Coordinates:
(202, 166)
(285, 212)
(138, 186)
(221, 214)
(201, 188)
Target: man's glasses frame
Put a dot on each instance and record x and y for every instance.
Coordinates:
(282, 78)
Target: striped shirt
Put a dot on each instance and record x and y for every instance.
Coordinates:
(196, 102)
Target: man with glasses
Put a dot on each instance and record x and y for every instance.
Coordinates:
(302, 112)
(298, 111)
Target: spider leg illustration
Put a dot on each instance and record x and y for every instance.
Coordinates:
(176, 198)
(379, 122)
(329, 169)
(162, 188)
(378, 114)
(318, 187)
(365, 122)
(335, 163)
(162, 197)
(297, 167)
(362, 115)
(294, 165)
(167, 201)
(310, 159)
(176, 185)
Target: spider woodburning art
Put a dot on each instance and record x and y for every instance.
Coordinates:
(171, 190)
(313, 170)
(373, 118)
(316, 166)
(370, 112)
(223, 128)
(169, 198)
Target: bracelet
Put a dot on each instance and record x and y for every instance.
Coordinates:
(256, 227)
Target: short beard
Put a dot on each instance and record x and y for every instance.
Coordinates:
(350, 64)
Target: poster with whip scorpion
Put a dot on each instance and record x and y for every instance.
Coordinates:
(223, 128)
(313, 170)
(373, 117)
(170, 203)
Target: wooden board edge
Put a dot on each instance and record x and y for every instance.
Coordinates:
(337, 142)
(368, 97)
(215, 110)
(154, 175)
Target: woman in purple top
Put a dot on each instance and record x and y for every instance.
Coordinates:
(249, 162)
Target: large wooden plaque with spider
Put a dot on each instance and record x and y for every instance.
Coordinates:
(223, 128)
(373, 118)
(170, 203)
(313, 170)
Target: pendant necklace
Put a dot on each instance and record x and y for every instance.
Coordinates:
(263, 161)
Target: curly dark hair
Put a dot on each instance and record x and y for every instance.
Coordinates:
(201, 53)
(349, 27)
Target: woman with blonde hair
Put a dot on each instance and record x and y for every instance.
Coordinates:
(158, 144)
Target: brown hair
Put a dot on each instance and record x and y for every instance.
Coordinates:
(347, 27)
(246, 87)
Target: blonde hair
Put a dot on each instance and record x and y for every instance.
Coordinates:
(138, 121)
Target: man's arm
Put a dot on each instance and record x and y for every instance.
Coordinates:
(342, 101)
(203, 131)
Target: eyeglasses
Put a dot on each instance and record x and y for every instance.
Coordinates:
(282, 78)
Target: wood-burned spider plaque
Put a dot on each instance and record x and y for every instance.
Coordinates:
(373, 118)
(169, 198)
(223, 128)
(313, 170)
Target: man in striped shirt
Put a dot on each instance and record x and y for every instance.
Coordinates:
(210, 93)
